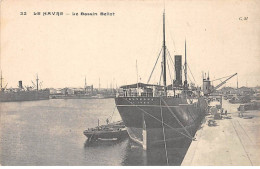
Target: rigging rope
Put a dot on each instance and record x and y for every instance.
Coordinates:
(170, 75)
(180, 123)
(113, 113)
(161, 76)
(170, 57)
(191, 74)
(165, 146)
(169, 72)
(189, 78)
(172, 65)
(171, 36)
(154, 66)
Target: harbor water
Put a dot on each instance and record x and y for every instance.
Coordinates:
(50, 132)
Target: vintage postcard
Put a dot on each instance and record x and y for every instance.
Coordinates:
(129, 83)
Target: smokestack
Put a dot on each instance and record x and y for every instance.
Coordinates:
(178, 70)
(21, 84)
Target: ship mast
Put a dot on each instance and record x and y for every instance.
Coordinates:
(1, 80)
(37, 82)
(85, 82)
(185, 69)
(164, 56)
(137, 77)
(237, 82)
(85, 87)
(99, 84)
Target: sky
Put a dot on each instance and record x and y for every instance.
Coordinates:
(63, 50)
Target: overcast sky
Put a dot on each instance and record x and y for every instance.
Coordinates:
(65, 49)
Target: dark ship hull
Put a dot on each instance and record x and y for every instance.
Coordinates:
(24, 96)
(153, 121)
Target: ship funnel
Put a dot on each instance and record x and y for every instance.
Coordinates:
(206, 86)
(21, 84)
(178, 70)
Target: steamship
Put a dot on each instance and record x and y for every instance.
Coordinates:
(22, 93)
(162, 114)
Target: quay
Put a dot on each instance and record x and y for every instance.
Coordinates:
(233, 141)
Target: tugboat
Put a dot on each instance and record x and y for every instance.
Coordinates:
(111, 131)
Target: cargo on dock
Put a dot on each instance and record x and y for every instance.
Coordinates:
(255, 105)
(234, 140)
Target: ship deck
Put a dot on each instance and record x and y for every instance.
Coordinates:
(232, 142)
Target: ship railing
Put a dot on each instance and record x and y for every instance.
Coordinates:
(147, 95)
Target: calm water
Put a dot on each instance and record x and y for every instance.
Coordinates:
(50, 132)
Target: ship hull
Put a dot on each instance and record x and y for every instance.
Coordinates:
(155, 137)
(24, 96)
(154, 121)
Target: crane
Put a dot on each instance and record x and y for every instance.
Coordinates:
(5, 86)
(222, 83)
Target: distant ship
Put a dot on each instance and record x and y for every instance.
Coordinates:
(82, 96)
(88, 92)
(22, 93)
(162, 114)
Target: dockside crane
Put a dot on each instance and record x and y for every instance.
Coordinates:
(222, 83)
(5, 86)
(208, 88)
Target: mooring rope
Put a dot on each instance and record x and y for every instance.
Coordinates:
(113, 113)
(165, 146)
(177, 118)
(160, 120)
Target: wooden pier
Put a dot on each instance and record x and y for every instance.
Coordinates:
(233, 141)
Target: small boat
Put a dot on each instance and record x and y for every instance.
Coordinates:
(110, 132)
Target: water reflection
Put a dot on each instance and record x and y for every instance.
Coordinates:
(102, 143)
(134, 155)
(155, 156)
